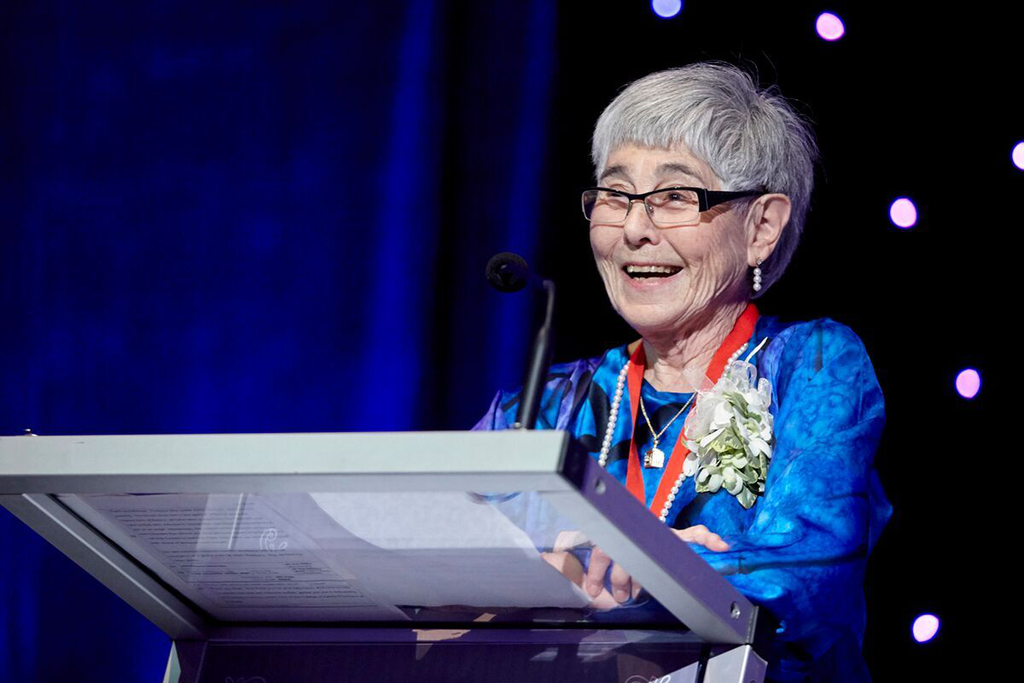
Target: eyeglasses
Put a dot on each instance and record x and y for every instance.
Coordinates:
(670, 207)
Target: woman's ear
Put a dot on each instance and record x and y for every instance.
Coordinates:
(766, 220)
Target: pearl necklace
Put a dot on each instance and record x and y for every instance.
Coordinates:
(613, 417)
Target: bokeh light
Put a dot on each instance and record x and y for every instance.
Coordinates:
(666, 8)
(968, 383)
(1018, 155)
(925, 627)
(903, 213)
(829, 26)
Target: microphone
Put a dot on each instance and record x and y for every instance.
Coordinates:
(508, 272)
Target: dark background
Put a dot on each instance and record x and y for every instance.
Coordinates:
(274, 216)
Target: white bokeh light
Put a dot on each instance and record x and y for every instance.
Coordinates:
(666, 9)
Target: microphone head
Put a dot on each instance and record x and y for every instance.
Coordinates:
(507, 272)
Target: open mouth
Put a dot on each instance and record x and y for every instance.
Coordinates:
(643, 272)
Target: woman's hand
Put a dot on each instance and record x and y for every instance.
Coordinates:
(570, 567)
(701, 536)
(622, 584)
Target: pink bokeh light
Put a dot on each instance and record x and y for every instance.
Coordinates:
(925, 627)
(968, 383)
(829, 26)
(903, 213)
(1018, 155)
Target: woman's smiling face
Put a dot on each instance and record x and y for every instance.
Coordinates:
(707, 261)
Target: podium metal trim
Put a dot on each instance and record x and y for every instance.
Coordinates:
(107, 564)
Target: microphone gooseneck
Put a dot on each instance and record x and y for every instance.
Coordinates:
(508, 272)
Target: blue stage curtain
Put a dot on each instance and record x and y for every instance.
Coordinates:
(251, 217)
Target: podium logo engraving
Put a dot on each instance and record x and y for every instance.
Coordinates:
(652, 679)
(268, 540)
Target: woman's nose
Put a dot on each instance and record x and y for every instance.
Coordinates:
(638, 226)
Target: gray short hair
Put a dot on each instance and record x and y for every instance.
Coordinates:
(752, 139)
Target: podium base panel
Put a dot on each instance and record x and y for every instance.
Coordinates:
(454, 656)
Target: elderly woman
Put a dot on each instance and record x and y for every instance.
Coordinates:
(703, 186)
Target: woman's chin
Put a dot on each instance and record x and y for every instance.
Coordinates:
(652, 321)
(654, 310)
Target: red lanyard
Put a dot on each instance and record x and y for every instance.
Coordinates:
(741, 332)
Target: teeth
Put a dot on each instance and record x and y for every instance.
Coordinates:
(653, 269)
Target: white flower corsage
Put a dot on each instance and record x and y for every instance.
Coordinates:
(729, 434)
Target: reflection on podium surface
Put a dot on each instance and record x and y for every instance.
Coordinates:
(365, 556)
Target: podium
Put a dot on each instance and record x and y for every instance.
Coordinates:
(405, 556)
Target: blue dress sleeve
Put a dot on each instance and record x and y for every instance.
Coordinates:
(804, 548)
(564, 388)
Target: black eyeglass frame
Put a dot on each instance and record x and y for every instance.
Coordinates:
(706, 199)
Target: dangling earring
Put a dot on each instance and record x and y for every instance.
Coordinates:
(757, 276)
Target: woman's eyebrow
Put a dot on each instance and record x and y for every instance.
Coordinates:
(676, 167)
(619, 171)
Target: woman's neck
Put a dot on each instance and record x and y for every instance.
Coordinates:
(678, 362)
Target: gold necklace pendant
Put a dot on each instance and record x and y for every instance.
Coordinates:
(654, 458)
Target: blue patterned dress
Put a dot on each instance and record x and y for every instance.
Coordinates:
(800, 551)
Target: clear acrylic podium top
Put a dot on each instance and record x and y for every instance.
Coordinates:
(200, 532)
